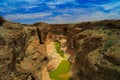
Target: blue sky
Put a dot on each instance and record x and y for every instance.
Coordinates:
(59, 11)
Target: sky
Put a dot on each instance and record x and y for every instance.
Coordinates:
(59, 11)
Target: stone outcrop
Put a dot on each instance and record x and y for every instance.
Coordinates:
(96, 54)
(12, 43)
(42, 29)
(22, 57)
(2, 20)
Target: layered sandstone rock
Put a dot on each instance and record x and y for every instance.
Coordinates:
(22, 57)
(97, 55)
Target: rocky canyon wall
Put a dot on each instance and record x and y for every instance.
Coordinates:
(94, 49)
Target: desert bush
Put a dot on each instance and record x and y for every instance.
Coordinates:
(109, 33)
(110, 42)
(58, 49)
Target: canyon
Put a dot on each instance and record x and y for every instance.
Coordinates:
(74, 51)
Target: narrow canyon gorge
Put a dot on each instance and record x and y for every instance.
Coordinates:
(76, 51)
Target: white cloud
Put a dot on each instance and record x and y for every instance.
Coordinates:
(58, 2)
(30, 1)
(98, 16)
(111, 5)
(1, 10)
(26, 16)
(27, 1)
(76, 16)
(7, 10)
(49, 2)
(29, 7)
(51, 6)
(67, 15)
(64, 15)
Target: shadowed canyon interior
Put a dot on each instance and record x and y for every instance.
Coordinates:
(77, 51)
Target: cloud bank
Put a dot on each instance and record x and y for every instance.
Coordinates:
(59, 11)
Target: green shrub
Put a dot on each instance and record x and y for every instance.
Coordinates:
(109, 33)
(102, 27)
(110, 42)
(58, 49)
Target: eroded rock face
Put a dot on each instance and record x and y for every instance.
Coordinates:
(21, 55)
(12, 46)
(95, 61)
(42, 30)
(35, 59)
